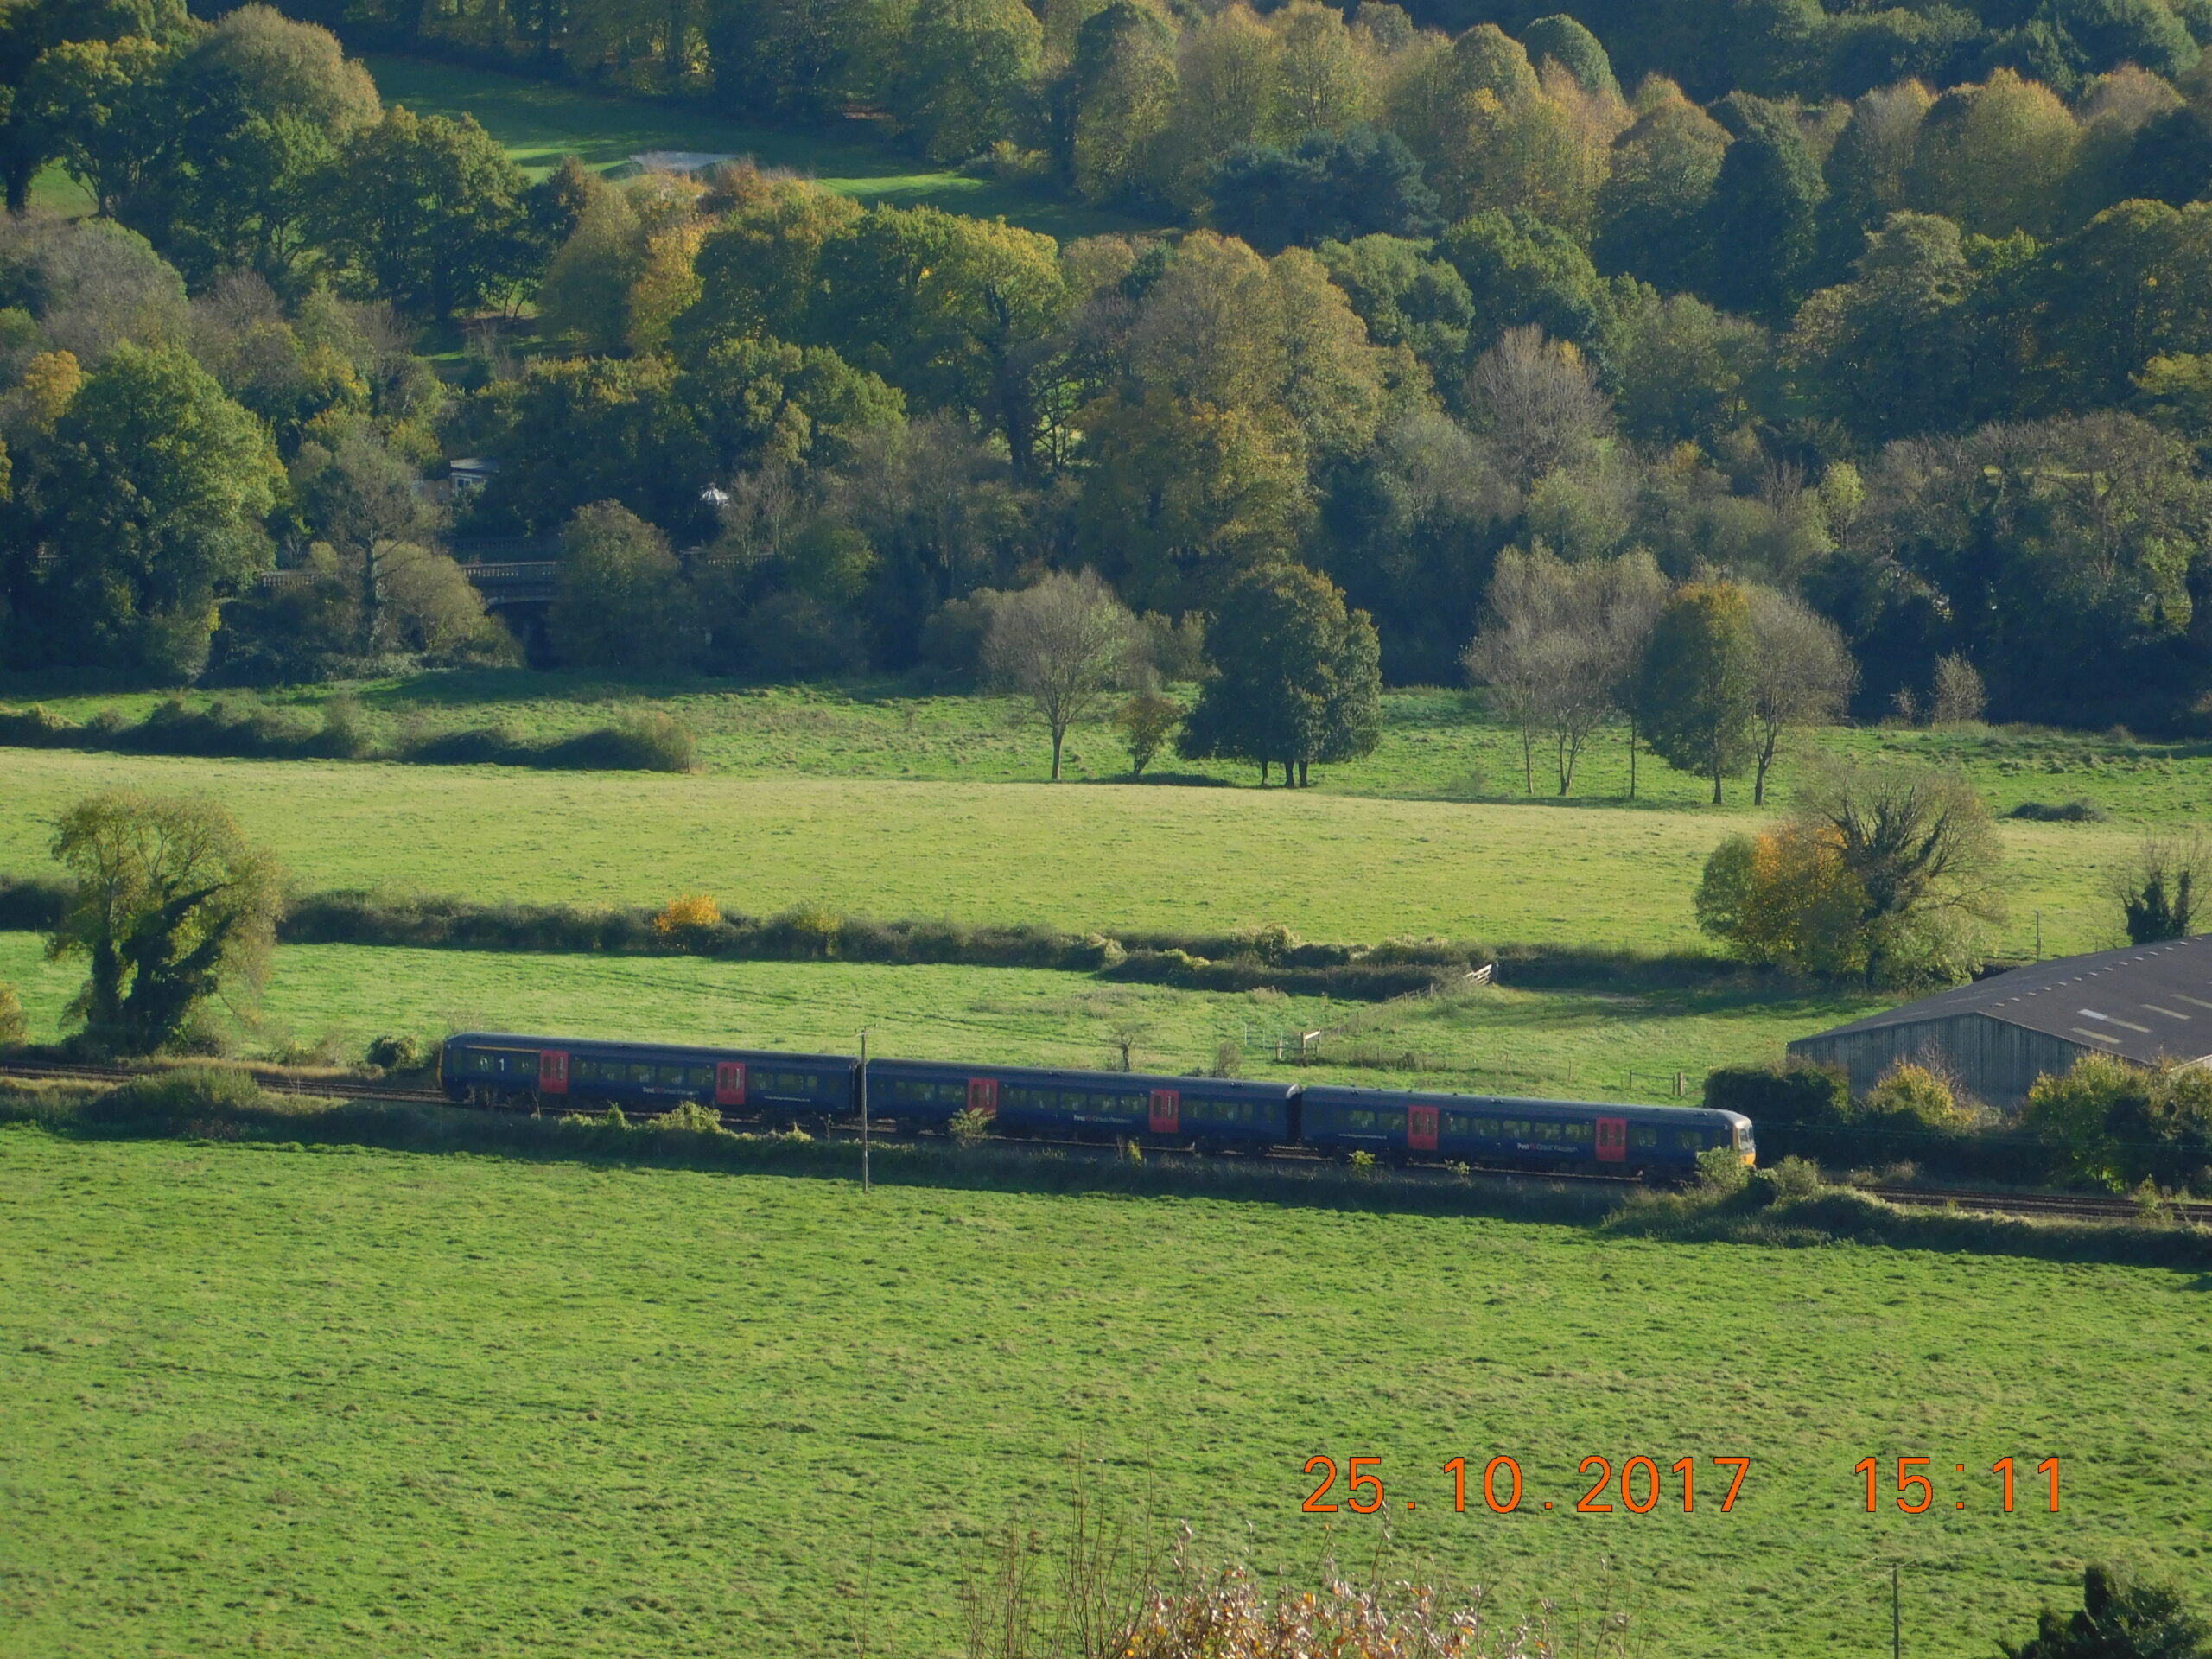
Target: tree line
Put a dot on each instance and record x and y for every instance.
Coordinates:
(1875, 359)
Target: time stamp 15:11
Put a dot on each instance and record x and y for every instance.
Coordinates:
(1642, 1486)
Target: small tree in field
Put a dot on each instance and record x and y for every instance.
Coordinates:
(1064, 643)
(1802, 673)
(172, 907)
(2159, 897)
(1695, 692)
(1145, 722)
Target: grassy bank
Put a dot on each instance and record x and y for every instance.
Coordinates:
(330, 1401)
(1502, 1041)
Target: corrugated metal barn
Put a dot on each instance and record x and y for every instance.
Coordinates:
(2147, 1003)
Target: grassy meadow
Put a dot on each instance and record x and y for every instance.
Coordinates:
(354, 1403)
(1437, 744)
(539, 122)
(334, 998)
(1083, 856)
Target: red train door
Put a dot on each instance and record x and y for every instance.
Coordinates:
(1421, 1129)
(1166, 1111)
(552, 1072)
(1613, 1140)
(983, 1096)
(729, 1083)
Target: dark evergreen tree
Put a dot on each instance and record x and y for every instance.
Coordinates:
(1297, 677)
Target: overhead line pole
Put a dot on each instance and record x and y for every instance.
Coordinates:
(864, 1182)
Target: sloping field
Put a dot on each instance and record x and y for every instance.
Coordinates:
(1076, 855)
(334, 1402)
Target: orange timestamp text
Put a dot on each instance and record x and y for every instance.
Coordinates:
(1641, 1486)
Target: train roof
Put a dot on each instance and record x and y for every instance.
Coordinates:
(656, 1051)
(1147, 1080)
(1350, 1092)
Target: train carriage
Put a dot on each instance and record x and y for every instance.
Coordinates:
(1547, 1134)
(503, 1067)
(1078, 1105)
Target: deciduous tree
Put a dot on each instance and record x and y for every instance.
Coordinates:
(1063, 643)
(172, 907)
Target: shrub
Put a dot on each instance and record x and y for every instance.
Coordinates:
(1720, 1171)
(32, 904)
(1362, 1162)
(36, 728)
(186, 1093)
(15, 1030)
(652, 742)
(2073, 811)
(2113, 1125)
(614, 1120)
(968, 1127)
(1914, 1097)
(1785, 1182)
(701, 1120)
(395, 1052)
(688, 922)
(808, 930)
(1793, 1094)
(2118, 1620)
(1228, 1059)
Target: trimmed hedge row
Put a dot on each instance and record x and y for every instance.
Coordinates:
(650, 742)
(1271, 959)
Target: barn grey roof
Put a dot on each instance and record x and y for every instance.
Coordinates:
(2146, 1002)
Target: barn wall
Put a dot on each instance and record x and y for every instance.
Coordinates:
(1999, 1062)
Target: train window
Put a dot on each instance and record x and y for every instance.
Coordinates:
(1543, 1129)
(1515, 1129)
(480, 1064)
(702, 1077)
(1577, 1133)
(583, 1071)
(1643, 1134)
(640, 1072)
(1690, 1140)
(669, 1077)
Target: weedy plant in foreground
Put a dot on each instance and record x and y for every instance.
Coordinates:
(1103, 1590)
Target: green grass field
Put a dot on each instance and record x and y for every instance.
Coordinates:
(539, 122)
(1496, 1040)
(1081, 856)
(340, 1403)
(1437, 744)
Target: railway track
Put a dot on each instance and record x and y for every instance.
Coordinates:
(2075, 1206)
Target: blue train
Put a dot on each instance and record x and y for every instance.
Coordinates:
(1206, 1113)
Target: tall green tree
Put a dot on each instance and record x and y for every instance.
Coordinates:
(261, 105)
(1694, 695)
(172, 907)
(1761, 222)
(428, 211)
(151, 495)
(620, 599)
(1297, 676)
(965, 77)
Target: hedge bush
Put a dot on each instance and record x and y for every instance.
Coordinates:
(651, 741)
